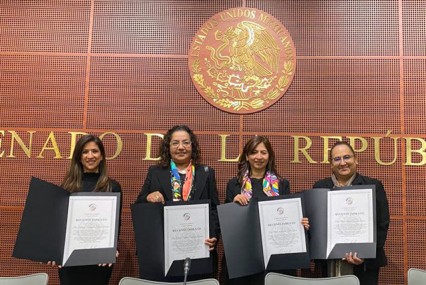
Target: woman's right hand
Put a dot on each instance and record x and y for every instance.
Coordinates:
(241, 199)
(53, 264)
(155, 197)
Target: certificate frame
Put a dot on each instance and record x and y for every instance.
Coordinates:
(242, 240)
(42, 232)
(149, 237)
(183, 223)
(316, 201)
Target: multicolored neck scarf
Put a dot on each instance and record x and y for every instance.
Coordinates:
(177, 183)
(270, 185)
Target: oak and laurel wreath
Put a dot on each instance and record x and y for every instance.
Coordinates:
(256, 103)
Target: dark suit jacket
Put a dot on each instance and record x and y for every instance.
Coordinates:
(382, 215)
(158, 179)
(233, 188)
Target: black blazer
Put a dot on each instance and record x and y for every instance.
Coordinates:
(233, 188)
(382, 215)
(158, 179)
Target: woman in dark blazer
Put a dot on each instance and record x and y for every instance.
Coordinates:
(179, 176)
(257, 178)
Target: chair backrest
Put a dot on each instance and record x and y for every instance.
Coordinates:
(137, 281)
(33, 279)
(416, 276)
(273, 278)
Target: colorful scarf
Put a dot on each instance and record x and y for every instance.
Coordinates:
(177, 183)
(270, 185)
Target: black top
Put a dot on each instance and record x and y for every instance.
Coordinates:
(90, 179)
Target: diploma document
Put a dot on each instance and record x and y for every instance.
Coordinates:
(71, 229)
(167, 234)
(349, 217)
(342, 220)
(91, 223)
(185, 229)
(264, 235)
(281, 228)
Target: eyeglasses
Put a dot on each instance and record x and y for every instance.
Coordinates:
(176, 144)
(346, 158)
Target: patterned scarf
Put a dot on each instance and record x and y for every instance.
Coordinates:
(270, 185)
(177, 183)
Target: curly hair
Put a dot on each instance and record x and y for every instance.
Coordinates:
(164, 151)
(250, 146)
(73, 180)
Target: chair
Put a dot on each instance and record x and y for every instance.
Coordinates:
(137, 281)
(33, 279)
(273, 278)
(416, 276)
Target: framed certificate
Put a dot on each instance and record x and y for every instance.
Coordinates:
(281, 228)
(185, 229)
(70, 229)
(342, 220)
(265, 235)
(166, 235)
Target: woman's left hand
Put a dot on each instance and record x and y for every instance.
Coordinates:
(305, 223)
(211, 242)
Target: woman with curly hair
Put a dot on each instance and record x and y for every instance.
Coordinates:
(179, 176)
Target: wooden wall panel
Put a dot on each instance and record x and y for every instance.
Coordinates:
(43, 26)
(327, 96)
(105, 66)
(42, 91)
(338, 28)
(144, 93)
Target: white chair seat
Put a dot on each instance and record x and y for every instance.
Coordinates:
(416, 276)
(137, 281)
(33, 279)
(273, 278)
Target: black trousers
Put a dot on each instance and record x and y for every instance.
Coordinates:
(85, 275)
(367, 276)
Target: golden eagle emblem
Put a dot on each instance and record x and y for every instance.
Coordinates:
(242, 60)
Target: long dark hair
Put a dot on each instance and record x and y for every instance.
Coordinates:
(164, 151)
(250, 146)
(74, 177)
